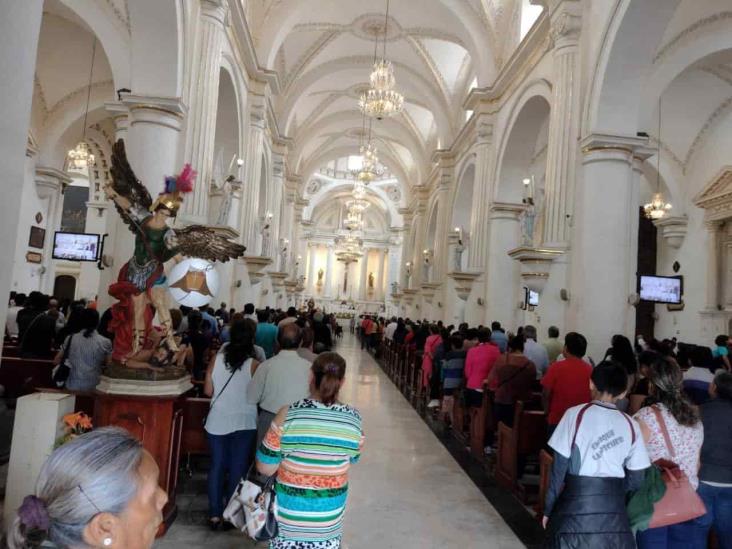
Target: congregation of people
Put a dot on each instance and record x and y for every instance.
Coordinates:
(274, 385)
(608, 419)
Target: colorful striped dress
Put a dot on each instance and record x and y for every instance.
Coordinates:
(314, 449)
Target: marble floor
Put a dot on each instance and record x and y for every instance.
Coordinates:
(407, 492)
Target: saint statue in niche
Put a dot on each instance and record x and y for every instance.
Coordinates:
(528, 217)
(371, 281)
(320, 276)
(266, 236)
(459, 249)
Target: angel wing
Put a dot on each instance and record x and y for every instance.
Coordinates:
(127, 192)
(207, 243)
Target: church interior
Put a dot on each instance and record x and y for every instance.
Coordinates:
(387, 171)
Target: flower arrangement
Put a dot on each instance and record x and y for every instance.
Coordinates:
(75, 424)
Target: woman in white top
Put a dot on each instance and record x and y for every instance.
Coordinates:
(231, 425)
(88, 352)
(686, 434)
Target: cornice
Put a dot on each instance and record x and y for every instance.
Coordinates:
(242, 38)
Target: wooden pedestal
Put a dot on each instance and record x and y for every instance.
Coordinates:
(158, 423)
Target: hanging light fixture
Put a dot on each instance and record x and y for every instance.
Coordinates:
(382, 100)
(657, 208)
(80, 157)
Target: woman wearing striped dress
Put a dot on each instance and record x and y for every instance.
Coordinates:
(310, 446)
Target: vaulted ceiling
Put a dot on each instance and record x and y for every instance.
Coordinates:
(323, 51)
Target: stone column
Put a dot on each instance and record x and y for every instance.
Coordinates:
(602, 262)
(503, 280)
(329, 272)
(566, 24)
(201, 128)
(249, 226)
(363, 281)
(153, 137)
(420, 227)
(282, 221)
(482, 196)
(379, 291)
(20, 26)
(439, 248)
(713, 265)
(50, 187)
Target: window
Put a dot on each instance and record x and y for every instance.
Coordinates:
(529, 15)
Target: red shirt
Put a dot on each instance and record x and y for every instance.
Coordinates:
(569, 383)
(478, 364)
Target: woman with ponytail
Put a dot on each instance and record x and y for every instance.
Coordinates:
(681, 420)
(310, 447)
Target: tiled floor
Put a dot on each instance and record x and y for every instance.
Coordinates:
(406, 493)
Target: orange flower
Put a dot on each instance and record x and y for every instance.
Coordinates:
(78, 421)
(85, 422)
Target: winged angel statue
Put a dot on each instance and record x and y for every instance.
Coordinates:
(141, 287)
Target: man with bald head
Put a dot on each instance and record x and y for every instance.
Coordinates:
(281, 380)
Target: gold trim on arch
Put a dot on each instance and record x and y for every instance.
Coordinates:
(155, 108)
(600, 148)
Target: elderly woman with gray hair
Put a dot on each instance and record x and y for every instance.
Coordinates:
(99, 490)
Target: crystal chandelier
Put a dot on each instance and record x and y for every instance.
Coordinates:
(657, 208)
(382, 100)
(80, 157)
(350, 248)
(370, 168)
(353, 221)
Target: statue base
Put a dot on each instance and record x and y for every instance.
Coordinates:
(120, 380)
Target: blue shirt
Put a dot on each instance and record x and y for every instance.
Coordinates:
(720, 351)
(265, 337)
(212, 321)
(500, 339)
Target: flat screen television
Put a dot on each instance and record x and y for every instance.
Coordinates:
(532, 298)
(76, 246)
(661, 289)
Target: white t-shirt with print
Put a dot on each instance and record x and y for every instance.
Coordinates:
(603, 447)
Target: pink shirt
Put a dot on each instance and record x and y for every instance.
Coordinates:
(478, 364)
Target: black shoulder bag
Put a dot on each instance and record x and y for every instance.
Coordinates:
(62, 371)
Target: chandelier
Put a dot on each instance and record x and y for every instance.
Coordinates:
(370, 168)
(353, 221)
(80, 157)
(382, 100)
(657, 208)
(350, 248)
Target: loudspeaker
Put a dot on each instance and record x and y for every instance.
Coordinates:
(564, 294)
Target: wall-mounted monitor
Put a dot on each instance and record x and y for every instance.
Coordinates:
(76, 246)
(532, 298)
(661, 289)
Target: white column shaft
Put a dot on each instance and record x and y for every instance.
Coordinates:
(363, 282)
(379, 292)
(480, 218)
(329, 273)
(204, 103)
(713, 255)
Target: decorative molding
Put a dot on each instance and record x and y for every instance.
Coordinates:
(673, 229)
(691, 29)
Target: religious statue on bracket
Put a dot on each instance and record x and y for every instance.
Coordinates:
(266, 230)
(225, 183)
(459, 250)
(321, 273)
(284, 246)
(142, 286)
(528, 217)
(371, 281)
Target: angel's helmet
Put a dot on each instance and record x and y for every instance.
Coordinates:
(175, 187)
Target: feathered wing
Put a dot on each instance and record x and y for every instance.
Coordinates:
(126, 185)
(207, 243)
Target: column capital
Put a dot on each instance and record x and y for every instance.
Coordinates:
(258, 112)
(121, 115)
(505, 210)
(161, 111)
(484, 129)
(597, 146)
(566, 22)
(50, 181)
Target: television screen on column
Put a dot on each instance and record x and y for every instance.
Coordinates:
(76, 246)
(661, 289)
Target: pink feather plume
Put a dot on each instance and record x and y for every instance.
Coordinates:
(186, 178)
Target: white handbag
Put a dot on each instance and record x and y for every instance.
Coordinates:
(253, 509)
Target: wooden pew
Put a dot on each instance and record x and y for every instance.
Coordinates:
(20, 376)
(526, 438)
(481, 420)
(193, 437)
(11, 351)
(545, 471)
(459, 419)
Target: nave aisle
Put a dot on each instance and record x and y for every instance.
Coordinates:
(406, 493)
